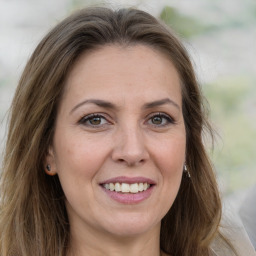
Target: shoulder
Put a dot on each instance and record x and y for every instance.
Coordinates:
(247, 213)
(232, 232)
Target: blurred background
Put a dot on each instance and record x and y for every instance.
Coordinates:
(220, 36)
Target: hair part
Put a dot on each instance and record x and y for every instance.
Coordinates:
(33, 218)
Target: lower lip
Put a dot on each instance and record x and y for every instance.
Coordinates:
(129, 198)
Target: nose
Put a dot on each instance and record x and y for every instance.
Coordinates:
(130, 147)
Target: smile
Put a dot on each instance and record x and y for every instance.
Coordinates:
(127, 188)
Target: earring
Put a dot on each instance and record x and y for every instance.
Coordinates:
(48, 167)
(186, 171)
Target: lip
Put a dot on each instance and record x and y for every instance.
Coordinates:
(129, 198)
(129, 180)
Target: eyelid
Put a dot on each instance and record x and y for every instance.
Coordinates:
(170, 119)
(84, 118)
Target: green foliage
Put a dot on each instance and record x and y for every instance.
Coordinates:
(3, 82)
(232, 116)
(227, 94)
(186, 26)
(77, 4)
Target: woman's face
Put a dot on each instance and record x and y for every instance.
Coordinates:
(119, 142)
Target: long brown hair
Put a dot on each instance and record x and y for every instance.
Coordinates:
(33, 218)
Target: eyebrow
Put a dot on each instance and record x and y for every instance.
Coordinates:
(161, 102)
(109, 105)
(100, 103)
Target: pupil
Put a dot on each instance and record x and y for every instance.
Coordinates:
(157, 120)
(95, 120)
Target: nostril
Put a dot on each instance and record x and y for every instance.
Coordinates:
(130, 155)
(130, 162)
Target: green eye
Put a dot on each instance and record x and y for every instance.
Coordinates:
(160, 120)
(157, 120)
(95, 120)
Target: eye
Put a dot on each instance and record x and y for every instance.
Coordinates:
(160, 119)
(93, 120)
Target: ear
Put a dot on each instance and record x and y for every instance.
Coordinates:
(50, 163)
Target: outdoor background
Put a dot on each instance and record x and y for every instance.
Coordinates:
(221, 38)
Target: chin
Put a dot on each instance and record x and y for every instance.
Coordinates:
(133, 225)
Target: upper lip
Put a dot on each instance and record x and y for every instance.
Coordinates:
(129, 180)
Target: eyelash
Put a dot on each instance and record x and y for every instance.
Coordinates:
(85, 119)
(88, 118)
(169, 120)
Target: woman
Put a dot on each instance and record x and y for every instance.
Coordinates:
(104, 154)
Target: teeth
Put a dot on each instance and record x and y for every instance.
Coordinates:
(111, 187)
(118, 187)
(134, 188)
(140, 187)
(127, 188)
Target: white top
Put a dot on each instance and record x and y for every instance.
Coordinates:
(247, 213)
(236, 234)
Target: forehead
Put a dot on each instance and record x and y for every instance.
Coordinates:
(124, 70)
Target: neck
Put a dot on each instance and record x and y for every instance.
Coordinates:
(99, 243)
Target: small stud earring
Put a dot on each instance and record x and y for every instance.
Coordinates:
(186, 171)
(48, 167)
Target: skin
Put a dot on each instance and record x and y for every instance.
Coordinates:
(128, 139)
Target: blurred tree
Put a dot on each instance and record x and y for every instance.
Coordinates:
(185, 26)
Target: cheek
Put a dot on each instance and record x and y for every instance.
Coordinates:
(171, 155)
(78, 159)
(170, 159)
